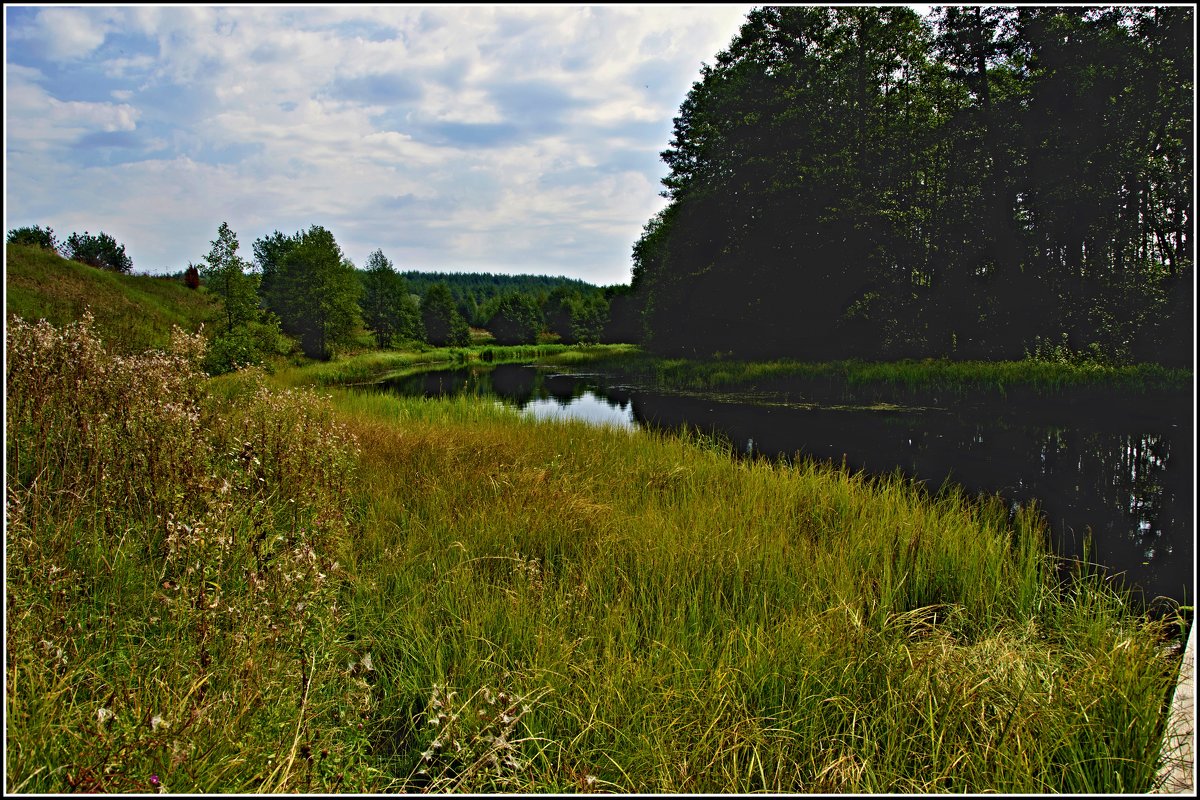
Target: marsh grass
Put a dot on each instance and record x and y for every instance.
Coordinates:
(695, 623)
(941, 375)
(375, 366)
(224, 585)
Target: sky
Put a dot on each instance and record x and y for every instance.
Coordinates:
(508, 139)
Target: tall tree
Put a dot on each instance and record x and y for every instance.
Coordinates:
(224, 274)
(385, 303)
(442, 322)
(516, 320)
(315, 289)
(790, 169)
(854, 181)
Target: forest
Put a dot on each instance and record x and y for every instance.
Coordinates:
(994, 183)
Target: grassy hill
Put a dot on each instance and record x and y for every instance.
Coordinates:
(132, 312)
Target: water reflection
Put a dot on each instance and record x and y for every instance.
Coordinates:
(1122, 471)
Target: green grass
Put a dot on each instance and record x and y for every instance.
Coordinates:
(911, 376)
(224, 585)
(131, 312)
(689, 622)
(374, 366)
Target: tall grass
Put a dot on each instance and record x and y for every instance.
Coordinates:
(928, 374)
(172, 576)
(222, 585)
(678, 621)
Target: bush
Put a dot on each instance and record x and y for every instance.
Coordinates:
(248, 344)
(101, 251)
(35, 236)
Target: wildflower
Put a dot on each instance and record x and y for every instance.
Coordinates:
(157, 722)
(154, 781)
(367, 664)
(104, 715)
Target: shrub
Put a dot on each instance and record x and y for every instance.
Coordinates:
(191, 278)
(101, 251)
(35, 236)
(248, 344)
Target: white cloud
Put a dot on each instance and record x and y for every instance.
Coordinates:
(481, 137)
(46, 122)
(69, 33)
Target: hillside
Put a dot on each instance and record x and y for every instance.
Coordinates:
(132, 312)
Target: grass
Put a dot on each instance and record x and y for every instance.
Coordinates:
(375, 366)
(227, 585)
(955, 377)
(131, 312)
(690, 623)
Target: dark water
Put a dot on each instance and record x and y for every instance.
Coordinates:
(1120, 467)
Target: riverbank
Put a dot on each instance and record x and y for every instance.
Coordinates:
(870, 381)
(227, 585)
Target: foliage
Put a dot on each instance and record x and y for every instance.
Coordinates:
(851, 181)
(225, 276)
(35, 236)
(191, 277)
(253, 343)
(387, 308)
(475, 293)
(440, 318)
(311, 286)
(576, 316)
(101, 251)
(589, 317)
(516, 320)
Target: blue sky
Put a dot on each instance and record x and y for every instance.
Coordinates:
(474, 138)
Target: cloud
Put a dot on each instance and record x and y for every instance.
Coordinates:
(67, 33)
(498, 138)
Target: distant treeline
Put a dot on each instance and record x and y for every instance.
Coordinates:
(999, 181)
(472, 291)
(303, 286)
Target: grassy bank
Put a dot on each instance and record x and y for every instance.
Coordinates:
(130, 312)
(1001, 377)
(227, 585)
(377, 365)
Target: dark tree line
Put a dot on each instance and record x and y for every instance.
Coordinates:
(851, 181)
